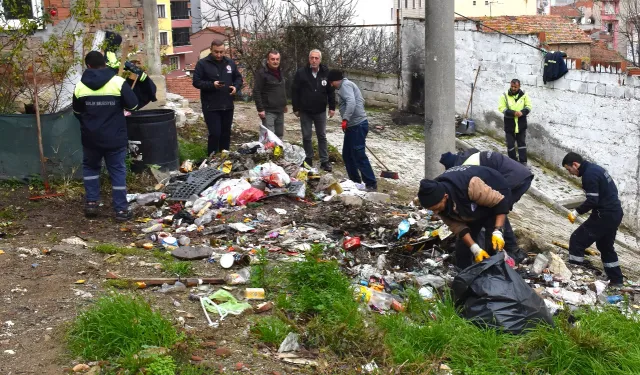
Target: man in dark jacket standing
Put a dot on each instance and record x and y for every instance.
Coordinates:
(218, 79)
(518, 178)
(469, 198)
(99, 101)
(515, 105)
(606, 215)
(270, 95)
(311, 94)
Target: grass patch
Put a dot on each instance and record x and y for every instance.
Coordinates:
(177, 268)
(119, 326)
(601, 342)
(191, 150)
(271, 330)
(320, 295)
(109, 248)
(120, 284)
(162, 255)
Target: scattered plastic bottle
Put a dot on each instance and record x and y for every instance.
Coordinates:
(177, 287)
(381, 300)
(154, 228)
(150, 198)
(199, 204)
(205, 219)
(184, 241)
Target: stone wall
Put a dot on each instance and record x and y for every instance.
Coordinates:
(594, 114)
(380, 90)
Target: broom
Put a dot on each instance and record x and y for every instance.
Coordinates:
(386, 173)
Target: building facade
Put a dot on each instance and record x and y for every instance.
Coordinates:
(468, 8)
(174, 24)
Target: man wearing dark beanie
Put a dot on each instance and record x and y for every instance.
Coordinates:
(467, 199)
(355, 127)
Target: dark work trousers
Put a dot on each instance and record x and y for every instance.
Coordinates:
(464, 256)
(520, 138)
(307, 122)
(510, 242)
(91, 167)
(601, 227)
(354, 156)
(219, 126)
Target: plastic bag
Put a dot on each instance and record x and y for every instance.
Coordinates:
(227, 191)
(294, 154)
(268, 139)
(249, 195)
(230, 304)
(272, 174)
(492, 294)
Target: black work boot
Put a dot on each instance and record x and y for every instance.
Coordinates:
(90, 209)
(326, 166)
(309, 161)
(123, 216)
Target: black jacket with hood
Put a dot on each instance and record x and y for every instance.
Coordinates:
(98, 102)
(209, 70)
(311, 94)
(515, 173)
(269, 92)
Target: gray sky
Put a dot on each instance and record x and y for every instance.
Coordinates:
(374, 11)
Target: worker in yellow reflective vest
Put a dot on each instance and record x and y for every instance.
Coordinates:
(515, 105)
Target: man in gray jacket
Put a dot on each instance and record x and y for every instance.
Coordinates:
(355, 127)
(269, 94)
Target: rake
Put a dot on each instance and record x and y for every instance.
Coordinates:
(386, 173)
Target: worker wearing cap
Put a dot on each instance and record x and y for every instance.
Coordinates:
(518, 178)
(606, 215)
(468, 199)
(355, 127)
(99, 101)
(515, 105)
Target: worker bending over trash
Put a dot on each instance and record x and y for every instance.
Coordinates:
(606, 215)
(467, 199)
(99, 101)
(518, 177)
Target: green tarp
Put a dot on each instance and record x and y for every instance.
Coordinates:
(19, 157)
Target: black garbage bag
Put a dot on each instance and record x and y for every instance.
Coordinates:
(492, 294)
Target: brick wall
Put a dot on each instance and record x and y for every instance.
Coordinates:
(126, 16)
(183, 86)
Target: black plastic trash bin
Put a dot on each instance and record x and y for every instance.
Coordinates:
(156, 130)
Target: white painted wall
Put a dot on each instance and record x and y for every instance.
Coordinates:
(594, 114)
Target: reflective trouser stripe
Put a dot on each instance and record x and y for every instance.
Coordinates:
(511, 149)
(119, 188)
(91, 177)
(520, 148)
(593, 194)
(612, 264)
(576, 258)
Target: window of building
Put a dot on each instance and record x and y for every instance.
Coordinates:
(181, 36)
(11, 11)
(474, 3)
(174, 62)
(406, 3)
(610, 27)
(162, 12)
(164, 41)
(180, 10)
(486, 2)
(414, 4)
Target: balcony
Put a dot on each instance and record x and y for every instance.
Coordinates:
(180, 10)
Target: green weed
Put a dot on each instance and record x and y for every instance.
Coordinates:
(120, 284)
(109, 248)
(162, 255)
(319, 293)
(8, 213)
(118, 326)
(191, 150)
(271, 330)
(178, 268)
(264, 275)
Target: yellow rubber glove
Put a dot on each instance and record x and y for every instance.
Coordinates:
(478, 254)
(573, 215)
(497, 239)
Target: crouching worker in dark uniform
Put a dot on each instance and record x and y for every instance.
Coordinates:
(99, 101)
(606, 215)
(518, 177)
(467, 199)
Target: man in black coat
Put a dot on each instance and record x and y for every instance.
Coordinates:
(269, 94)
(606, 215)
(311, 94)
(218, 79)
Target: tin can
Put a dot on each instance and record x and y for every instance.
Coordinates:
(351, 243)
(254, 293)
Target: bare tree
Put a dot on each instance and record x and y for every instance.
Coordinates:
(630, 28)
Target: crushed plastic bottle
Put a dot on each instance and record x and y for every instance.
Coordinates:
(150, 198)
(381, 300)
(157, 227)
(205, 219)
(184, 241)
(177, 287)
(199, 204)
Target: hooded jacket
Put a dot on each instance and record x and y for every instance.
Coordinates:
(98, 102)
(269, 92)
(554, 67)
(509, 105)
(311, 94)
(475, 193)
(512, 171)
(209, 70)
(601, 191)
(351, 103)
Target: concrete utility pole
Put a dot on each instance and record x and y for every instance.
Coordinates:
(439, 81)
